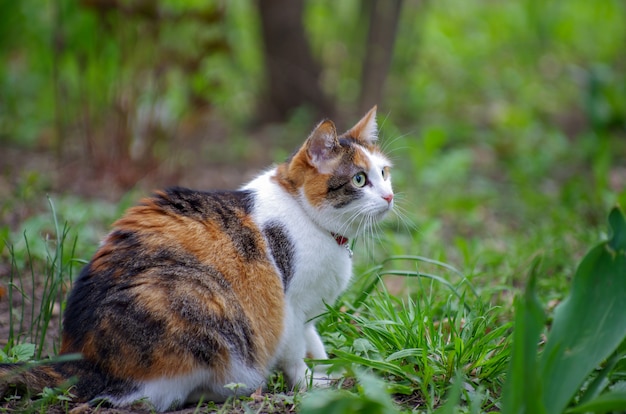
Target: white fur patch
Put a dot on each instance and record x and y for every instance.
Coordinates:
(168, 393)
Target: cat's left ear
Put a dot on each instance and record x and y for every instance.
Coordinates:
(366, 130)
(322, 146)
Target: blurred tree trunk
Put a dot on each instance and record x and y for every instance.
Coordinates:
(293, 75)
(383, 24)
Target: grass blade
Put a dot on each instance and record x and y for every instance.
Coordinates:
(608, 402)
(522, 391)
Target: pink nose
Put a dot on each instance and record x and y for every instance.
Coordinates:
(388, 198)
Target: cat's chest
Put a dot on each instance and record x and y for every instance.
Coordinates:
(323, 262)
(322, 272)
(315, 267)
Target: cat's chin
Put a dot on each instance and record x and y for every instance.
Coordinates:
(382, 213)
(357, 229)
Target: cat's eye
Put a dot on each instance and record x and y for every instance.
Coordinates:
(385, 173)
(359, 180)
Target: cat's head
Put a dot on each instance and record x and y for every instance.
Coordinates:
(343, 181)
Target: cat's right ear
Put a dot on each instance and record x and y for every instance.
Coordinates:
(322, 147)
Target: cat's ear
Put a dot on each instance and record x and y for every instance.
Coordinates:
(366, 130)
(322, 146)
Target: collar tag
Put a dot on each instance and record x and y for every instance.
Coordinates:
(350, 253)
(343, 241)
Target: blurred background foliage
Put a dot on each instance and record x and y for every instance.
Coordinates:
(506, 119)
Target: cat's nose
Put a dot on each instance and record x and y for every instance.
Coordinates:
(388, 198)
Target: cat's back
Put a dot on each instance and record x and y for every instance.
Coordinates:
(182, 285)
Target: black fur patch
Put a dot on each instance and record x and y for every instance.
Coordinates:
(348, 141)
(282, 249)
(341, 191)
(92, 382)
(202, 205)
(126, 327)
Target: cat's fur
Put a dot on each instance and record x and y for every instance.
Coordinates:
(193, 290)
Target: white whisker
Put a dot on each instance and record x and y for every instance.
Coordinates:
(388, 143)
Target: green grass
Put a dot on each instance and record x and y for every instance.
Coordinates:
(55, 272)
(444, 339)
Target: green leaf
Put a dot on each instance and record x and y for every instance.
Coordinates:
(610, 401)
(601, 380)
(589, 324)
(22, 352)
(382, 366)
(522, 390)
(405, 353)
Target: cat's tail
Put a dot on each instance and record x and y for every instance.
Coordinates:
(31, 378)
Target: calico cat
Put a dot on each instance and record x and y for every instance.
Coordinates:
(193, 290)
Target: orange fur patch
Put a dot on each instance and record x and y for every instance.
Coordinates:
(256, 284)
(300, 173)
(361, 160)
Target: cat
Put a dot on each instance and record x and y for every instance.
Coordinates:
(193, 290)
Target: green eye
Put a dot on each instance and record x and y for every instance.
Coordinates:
(359, 180)
(384, 173)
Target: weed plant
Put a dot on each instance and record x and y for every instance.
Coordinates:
(41, 293)
(421, 343)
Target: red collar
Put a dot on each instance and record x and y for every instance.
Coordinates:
(341, 240)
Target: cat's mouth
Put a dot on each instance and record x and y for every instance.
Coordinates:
(381, 215)
(387, 208)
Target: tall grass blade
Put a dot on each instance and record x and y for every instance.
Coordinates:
(425, 260)
(10, 340)
(522, 391)
(54, 281)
